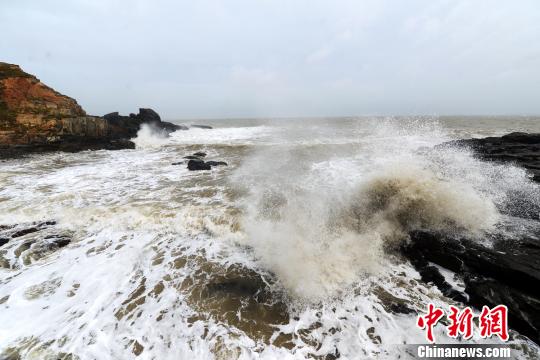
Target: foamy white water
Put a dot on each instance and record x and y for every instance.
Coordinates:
(311, 208)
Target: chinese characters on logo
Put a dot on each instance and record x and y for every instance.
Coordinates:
(491, 322)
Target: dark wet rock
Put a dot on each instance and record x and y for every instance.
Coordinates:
(35, 227)
(201, 126)
(507, 273)
(148, 115)
(216, 163)
(197, 164)
(430, 274)
(519, 148)
(24, 232)
(400, 308)
(70, 145)
(128, 126)
(59, 241)
(26, 243)
(3, 241)
(192, 157)
(178, 163)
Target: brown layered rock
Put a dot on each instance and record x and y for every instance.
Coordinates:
(31, 113)
(35, 118)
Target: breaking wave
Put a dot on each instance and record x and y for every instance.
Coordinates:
(320, 222)
(133, 248)
(150, 136)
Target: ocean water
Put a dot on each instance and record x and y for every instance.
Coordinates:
(288, 252)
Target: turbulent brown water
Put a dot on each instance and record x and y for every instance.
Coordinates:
(285, 253)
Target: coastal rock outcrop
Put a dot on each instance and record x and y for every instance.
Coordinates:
(35, 118)
(522, 149)
(507, 273)
(127, 126)
(508, 270)
(33, 113)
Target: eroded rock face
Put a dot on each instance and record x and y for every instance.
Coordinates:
(36, 118)
(33, 113)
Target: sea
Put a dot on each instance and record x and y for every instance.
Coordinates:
(291, 251)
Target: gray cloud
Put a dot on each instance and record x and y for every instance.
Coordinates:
(211, 58)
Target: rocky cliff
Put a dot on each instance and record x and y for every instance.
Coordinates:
(33, 113)
(34, 117)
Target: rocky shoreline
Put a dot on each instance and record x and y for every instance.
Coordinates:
(508, 272)
(519, 148)
(35, 118)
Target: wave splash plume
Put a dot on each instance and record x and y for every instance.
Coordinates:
(321, 222)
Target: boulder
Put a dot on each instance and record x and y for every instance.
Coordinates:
(195, 165)
(196, 162)
(148, 115)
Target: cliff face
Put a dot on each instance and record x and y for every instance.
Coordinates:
(33, 113)
(36, 118)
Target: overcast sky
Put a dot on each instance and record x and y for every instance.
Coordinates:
(243, 58)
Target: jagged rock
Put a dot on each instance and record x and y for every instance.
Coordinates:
(202, 126)
(508, 273)
(148, 115)
(128, 126)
